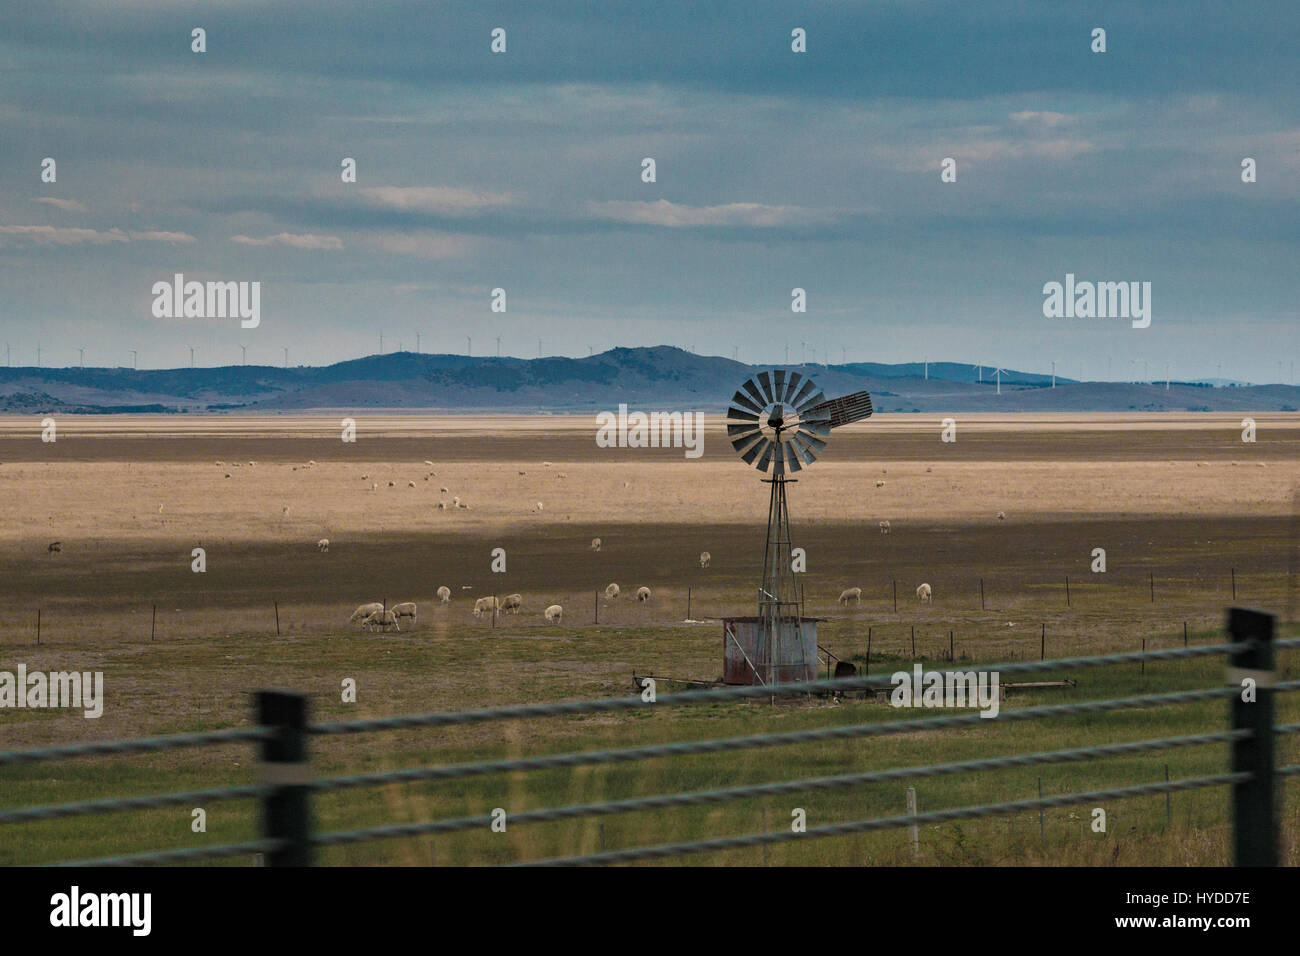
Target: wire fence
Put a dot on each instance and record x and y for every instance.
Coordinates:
(287, 786)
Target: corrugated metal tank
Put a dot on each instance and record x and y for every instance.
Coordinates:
(745, 649)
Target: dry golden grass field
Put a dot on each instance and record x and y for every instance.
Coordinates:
(1179, 503)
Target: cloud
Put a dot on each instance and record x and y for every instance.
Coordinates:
(440, 200)
(661, 212)
(59, 236)
(296, 241)
(424, 245)
(1042, 117)
(67, 205)
(156, 236)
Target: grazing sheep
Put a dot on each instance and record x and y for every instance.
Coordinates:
(406, 609)
(456, 501)
(392, 484)
(410, 484)
(323, 545)
(643, 594)
(923, 592)
(444, 594)
(554, 613)
(880, 483)
(227, 474)
(429, 463)
(1002, 516)
(442, 506)
(442, 491)
(512, 603)
(851, 594)
(486, 605)
(705, 558)
(56, 547)
(611, 592)
(539, 506)
(884, 527)
(381, 620)
(364, 611)
(595, 544)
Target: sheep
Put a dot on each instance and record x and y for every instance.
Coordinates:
(382, 620)
(705, 558)
(455, 502)
(429, 463)
(1002, 516)
(442, 506)
(595, 544)
(486, 605)
(323, 545)
(611, 592)
(364, 611)
(392, 484)
(554, 614)
(880, 483)
(444, 594)
(406, 609)
(923, 593)
(643, 594)
(56, 547)
(884, 527)
(512, 603)
(442, 491)
(539, 506)
(851, 594)
(410, 484)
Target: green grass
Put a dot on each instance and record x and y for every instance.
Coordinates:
(186, 686)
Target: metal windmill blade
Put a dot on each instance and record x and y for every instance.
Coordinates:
(780, 420)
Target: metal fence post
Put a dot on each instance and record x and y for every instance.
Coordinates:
(1254, 816)
(285, 809)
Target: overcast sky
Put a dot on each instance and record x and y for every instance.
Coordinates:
(775, 170)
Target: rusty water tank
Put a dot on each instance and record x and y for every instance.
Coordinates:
(747, 647)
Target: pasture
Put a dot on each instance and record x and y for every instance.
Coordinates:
(1180, 505)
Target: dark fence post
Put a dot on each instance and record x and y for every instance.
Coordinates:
(285, 810)
(1254, 817)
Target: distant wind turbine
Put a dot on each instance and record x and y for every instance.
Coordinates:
(135, 358)
(417, 343)
(192, 348)
(244, 350)
(82, 360)
(1053, 375)
(469, 346)
(998, 374)
(498, 338)
(286, 355)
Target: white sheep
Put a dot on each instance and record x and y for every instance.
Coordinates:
(923, 592)
(554, 613)
(56, 547)
(429, 463)
(611, 592)
(323, 545)
(643, 594)
(486, 605)
(455, 502)
(1002, 516)
(442, 491)
(851, 594)
(410, 484)
(444, 594)
(595, 544)
(364, 611)
(705, 558)
(406, 609)
(382, 620)
(539, 506)
(880, 483)
(884, 527)
(512, 603)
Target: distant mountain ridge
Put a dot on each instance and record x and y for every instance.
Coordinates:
(661, 377)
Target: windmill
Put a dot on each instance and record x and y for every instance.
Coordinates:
(779, 421)
(998, 373)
